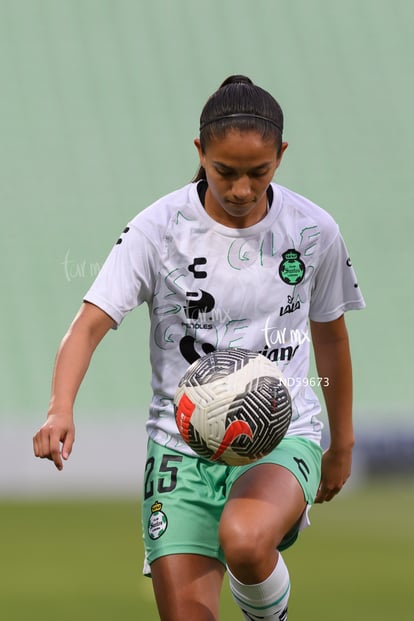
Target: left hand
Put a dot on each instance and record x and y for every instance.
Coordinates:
(336, 470)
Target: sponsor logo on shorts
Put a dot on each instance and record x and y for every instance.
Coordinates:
(158, 522)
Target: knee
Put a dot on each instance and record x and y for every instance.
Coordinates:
(244, 543)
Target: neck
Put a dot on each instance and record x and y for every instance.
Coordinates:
(231, 217)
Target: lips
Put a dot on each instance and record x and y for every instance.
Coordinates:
(245, 204)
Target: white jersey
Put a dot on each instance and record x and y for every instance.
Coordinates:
(208, 286)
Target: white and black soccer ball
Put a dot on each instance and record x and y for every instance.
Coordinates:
(232, 406)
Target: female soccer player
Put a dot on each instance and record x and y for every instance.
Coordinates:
(231, 259)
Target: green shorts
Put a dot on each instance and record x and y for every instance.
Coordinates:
(183, 496)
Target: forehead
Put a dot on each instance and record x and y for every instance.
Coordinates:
(241, 148)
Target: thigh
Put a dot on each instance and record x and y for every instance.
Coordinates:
(300, 456)
(264, 504)
(270, 496)
(187, 586)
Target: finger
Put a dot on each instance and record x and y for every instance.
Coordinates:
(49, 440)
(68, 444)
(55, 454)
(35, 446)
(42, 448)
(41, 443)
(323, 494)
(320, 497)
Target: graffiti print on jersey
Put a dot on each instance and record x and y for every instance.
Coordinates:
(292, 268)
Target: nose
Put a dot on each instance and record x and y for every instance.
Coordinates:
(241, 189)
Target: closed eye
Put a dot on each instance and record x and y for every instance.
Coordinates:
(257, 174)
(228, 173)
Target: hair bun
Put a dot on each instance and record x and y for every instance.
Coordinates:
(236, 79)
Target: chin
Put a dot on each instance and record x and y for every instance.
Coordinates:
(239, 212)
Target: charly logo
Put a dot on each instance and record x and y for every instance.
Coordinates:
(292, 268)
(158, 523)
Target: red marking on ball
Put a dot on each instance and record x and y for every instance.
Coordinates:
(183, 416)
(234, 430)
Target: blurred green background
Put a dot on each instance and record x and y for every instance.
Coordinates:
(100, 101)
(99, 105)
(83, 560)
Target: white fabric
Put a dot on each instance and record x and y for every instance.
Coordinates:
(266, 600)
(208, 286)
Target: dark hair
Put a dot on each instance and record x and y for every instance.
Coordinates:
(240, 104)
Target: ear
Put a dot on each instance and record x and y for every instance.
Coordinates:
(283, 148)
(199, 150)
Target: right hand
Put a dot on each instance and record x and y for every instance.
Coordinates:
(55, 439)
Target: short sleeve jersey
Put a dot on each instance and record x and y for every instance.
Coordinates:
(208, 286)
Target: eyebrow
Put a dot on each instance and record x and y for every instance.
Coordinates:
(231, 169)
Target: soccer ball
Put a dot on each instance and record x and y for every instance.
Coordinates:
(232, 406)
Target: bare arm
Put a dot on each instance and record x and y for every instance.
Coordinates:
(333, 361)
(72, 361)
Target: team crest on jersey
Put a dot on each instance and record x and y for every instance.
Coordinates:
(158, 522)
(292, 268)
